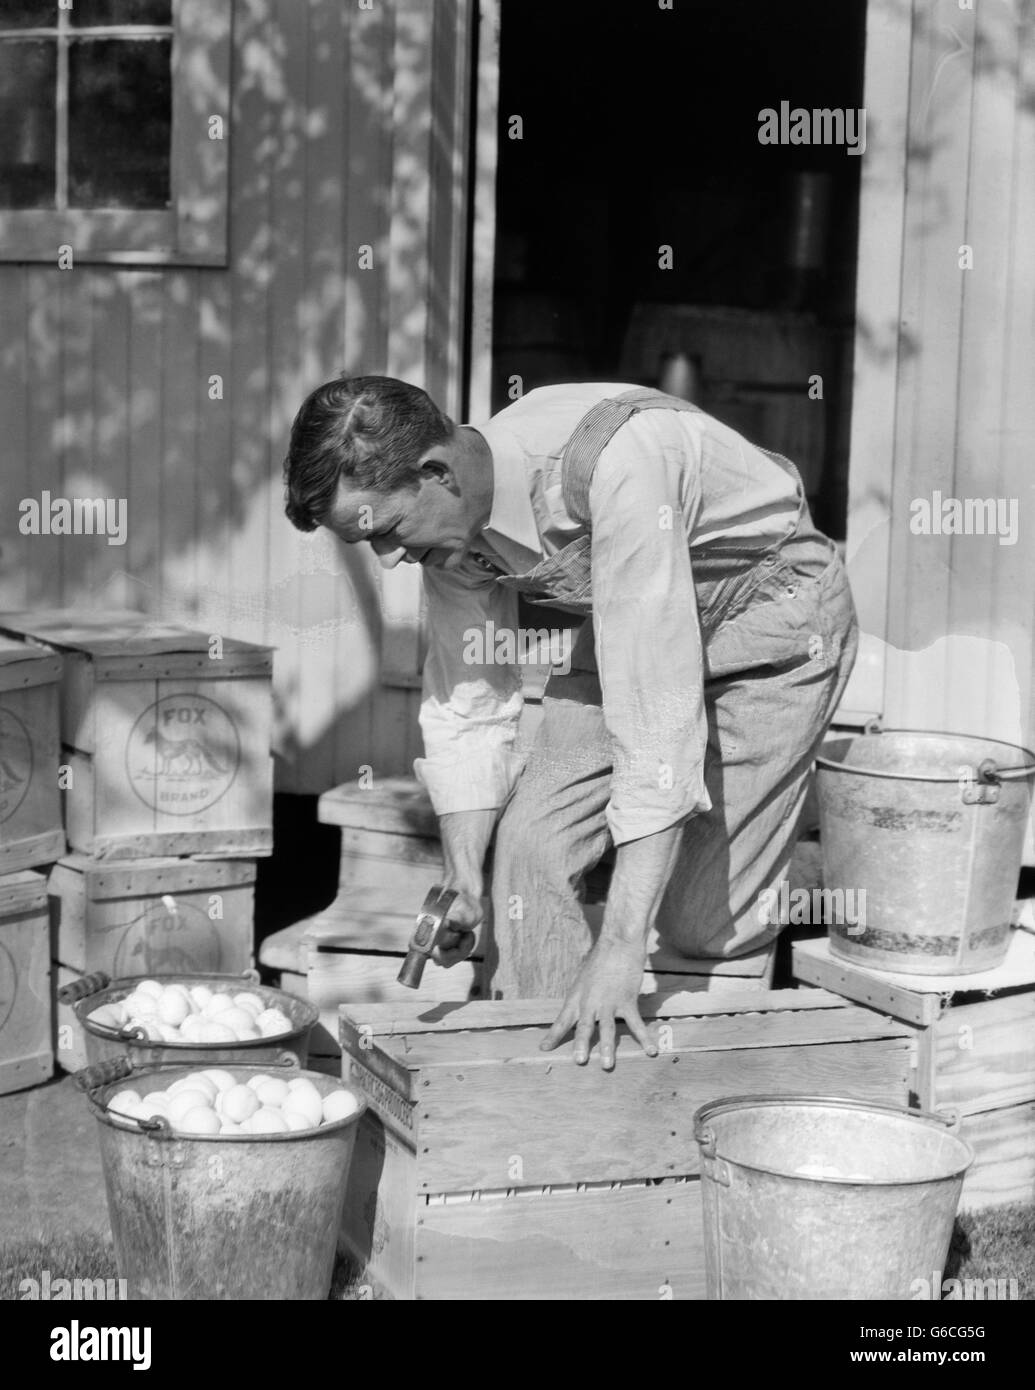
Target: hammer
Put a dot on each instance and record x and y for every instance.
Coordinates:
(431, 924)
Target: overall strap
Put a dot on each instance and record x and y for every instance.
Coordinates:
(594, 432)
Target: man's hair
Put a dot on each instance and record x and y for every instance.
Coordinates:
(371, 430)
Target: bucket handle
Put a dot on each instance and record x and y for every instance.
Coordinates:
(101, 1073)
(82, 989)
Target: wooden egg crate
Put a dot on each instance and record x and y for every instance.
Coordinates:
(975, 1053)
(488, 1169)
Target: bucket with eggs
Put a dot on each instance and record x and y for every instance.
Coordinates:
(223, 1182)
(189, 1018)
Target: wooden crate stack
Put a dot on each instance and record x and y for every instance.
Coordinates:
(975, 1054)
(391, 855)
(167, 781)
(487, 1169)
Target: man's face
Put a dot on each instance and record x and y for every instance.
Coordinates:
(428, 525)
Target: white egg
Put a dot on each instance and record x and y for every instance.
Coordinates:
(189, 1027)
(339, 1105)
(217, 1004)
(273, 1022)
(168, 1033)
(140, 1006)
(258, 1080)
(228, 1127)
(268, 1121)
(184, 1102)
(197, 1081)
(246, 1034)
(201, 1120)
(308, 1106)
(272, 1092)
(296, 1120)
(155, 1103)
(222, 1080)
(251, 1002)
(151, 987)
(151, 1028)
(126, 1102)
(301, 1085)
(200, 995)
(239, 1104)
(211, 1032)
(236, 1018)
(174, 1006)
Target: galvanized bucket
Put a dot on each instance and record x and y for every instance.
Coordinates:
(811, 1197)
(103, 1043)
(926, 832)
(220, 1216)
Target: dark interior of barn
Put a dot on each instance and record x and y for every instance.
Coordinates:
(639, 130)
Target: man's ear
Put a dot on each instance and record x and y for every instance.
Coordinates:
(435, 466)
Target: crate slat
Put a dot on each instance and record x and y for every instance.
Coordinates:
(31, 831)
(631, 1243)
(26, 1047)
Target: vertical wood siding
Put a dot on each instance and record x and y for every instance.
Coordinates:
(943, 375)
(339, 117)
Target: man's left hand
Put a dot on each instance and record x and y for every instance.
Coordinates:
(607, 987)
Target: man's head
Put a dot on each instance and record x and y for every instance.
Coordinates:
(372, 458)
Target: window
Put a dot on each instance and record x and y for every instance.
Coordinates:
(113, 130)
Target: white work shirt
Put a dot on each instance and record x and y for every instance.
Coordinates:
(668, 482)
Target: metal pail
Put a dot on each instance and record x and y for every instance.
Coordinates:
(812, 1197)
(924, 832)
(222, 1216)
(103, 1043)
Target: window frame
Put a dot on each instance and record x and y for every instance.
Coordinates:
(193, 229)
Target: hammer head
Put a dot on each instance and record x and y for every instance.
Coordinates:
(431, 922)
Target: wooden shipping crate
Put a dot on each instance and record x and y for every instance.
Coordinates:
(975, 1039)
(30, 802)
(153, 916)
(487, 1169)
(26, 1053)
(166, 733)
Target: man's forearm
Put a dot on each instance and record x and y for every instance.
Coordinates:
(465, 839)
(641, 874)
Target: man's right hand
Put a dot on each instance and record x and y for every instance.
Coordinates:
(459, 934)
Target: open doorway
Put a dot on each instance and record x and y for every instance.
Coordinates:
(639, 130)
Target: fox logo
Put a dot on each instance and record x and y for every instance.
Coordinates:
(183, 754)
(15, 763)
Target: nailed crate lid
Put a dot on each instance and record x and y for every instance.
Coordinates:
(22, 892)
(122, 644)
(23, 665)
(468, 1088)
(106, 879)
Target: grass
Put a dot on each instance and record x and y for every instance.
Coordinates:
(996, 1244)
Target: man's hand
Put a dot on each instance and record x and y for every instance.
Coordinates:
(607, 987)
(458, 936)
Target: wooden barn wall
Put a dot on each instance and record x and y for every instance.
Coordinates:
(944, 399)
(346, 130)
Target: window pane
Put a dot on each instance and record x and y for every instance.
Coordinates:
(28, 14)
(119, 123)
(87, 12)
(27, 104)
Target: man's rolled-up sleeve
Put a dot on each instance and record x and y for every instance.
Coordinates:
(643, 500)
(470, 704)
